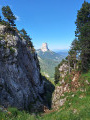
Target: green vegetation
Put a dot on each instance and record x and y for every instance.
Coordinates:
(80, 47)
(15, 114)
(48, 61)
(12, 50)
(8, 14)
(78, 110)
(57, 75)
(24, 35)
(57, 72)
(9, 22)
(50, 55)
(47, 67)
(79, 54)
(83, 35)
(76, 107)
(73, 54)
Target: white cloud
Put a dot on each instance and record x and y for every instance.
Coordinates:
(0, 6)
(17, 17)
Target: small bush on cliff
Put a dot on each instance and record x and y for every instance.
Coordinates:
(12, 50)
(24, 35)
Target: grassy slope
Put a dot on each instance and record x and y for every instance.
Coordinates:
(75, 108)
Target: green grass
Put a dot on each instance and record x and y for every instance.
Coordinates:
(86, 76)
(75, 108)
(16, 115)
(78, 109)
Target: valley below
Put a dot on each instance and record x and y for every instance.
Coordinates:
(48, 61)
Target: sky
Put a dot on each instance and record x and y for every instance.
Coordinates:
(50, 21)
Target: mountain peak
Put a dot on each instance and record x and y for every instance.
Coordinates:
(44, 47)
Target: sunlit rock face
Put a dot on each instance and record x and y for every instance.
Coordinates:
(44, 47)
(57, 99)
(20, 81)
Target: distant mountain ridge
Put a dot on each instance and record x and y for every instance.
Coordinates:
(48, 60)
(64, 52)
(49, 54)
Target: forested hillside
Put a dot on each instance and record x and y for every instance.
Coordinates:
(48, 61)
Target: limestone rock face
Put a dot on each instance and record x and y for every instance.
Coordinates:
(57, 99)
(68, 83)
(44, 47)
(20, 82)
(63, 70)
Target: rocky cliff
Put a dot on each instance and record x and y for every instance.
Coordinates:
(69, 84)
(20, 82)
(44, 47)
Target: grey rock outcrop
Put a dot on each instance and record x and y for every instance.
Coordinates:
(63, 70)
(44, 47)
(20, 82)
(58, 98)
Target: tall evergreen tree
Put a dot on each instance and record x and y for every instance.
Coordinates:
(8, 14)
(83, 34)
(57, 75)
(74, 53)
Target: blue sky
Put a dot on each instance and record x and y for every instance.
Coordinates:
(51, 21)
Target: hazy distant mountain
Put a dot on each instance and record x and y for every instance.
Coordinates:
(49, 55)
(64, 52)
(48, 60)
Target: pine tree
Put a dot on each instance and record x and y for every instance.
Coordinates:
(24, 34)
(26, 37)
(8, 14)
(83, 34)
(57, 75)
(74, 53)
